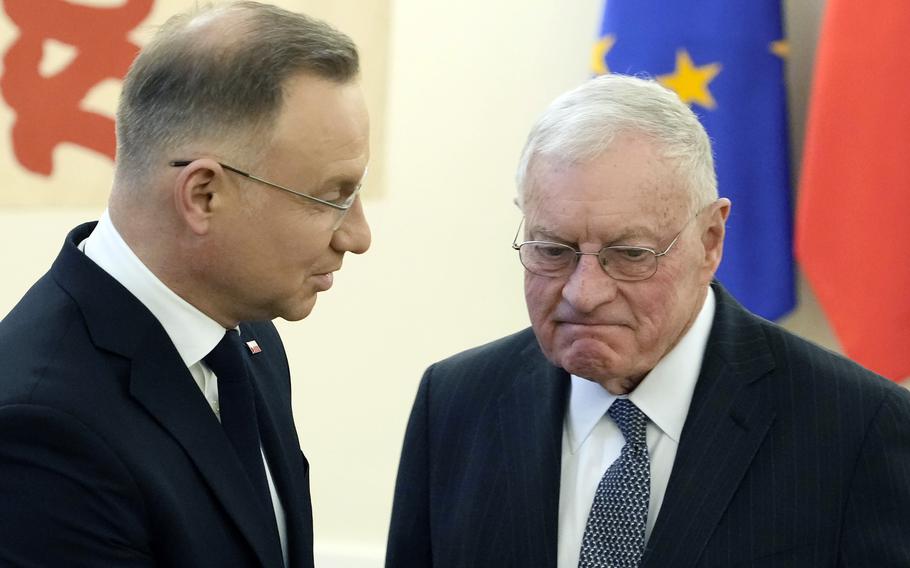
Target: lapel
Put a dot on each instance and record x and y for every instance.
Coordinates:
(530, 426)
(161, 383)
(282, 449)
(730, 414)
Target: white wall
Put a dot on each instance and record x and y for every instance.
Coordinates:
(466, 79)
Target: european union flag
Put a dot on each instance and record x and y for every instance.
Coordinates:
(726, 61)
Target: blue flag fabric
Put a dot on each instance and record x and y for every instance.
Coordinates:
(726, 61)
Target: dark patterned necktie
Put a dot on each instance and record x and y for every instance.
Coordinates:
(615, 533)
(237, 402)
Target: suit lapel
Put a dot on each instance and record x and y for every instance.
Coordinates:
(730, 415)
(530, 425)
(161, 383)
(282, 449)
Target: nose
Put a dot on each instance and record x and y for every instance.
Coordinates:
(588, 287)
(353, 234)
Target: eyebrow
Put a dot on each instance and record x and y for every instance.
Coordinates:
(343, 183)
(344, 180)
(627, 237)
(546, 235)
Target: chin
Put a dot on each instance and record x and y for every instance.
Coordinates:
(298, 311)
(589, 369)
(592, 359)
(588, 352)
(587, 364)
(614, 378)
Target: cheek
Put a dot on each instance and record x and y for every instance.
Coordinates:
(304, 246)
(657, 316)
(649, 332)
(542, 295)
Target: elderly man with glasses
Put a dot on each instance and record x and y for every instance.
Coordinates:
(145, 399)
(645, 418)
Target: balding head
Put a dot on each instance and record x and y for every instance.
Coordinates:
(215, 77)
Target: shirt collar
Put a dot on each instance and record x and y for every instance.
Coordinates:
(193, 333)
(663, 395)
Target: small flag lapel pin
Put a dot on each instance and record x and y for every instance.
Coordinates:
(254, 347)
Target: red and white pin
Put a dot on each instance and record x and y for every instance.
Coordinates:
(254, 347)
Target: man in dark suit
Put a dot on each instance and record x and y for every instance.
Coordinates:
(646, 418)
(145, 404)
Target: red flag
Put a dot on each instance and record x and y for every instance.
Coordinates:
(852, 226)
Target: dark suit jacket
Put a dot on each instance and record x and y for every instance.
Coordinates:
(109, 453)
(790, 456)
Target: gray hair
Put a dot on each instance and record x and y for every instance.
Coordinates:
(581, 124)
(218, 74)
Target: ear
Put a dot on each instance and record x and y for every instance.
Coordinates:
(712, 236)
(196, 191)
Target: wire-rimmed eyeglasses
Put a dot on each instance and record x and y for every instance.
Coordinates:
(342, 204)
(621, 262)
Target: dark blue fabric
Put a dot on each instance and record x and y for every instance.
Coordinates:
(790, 456)
(237, 402)
(109, 453)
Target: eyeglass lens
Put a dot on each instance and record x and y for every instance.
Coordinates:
(555, 260)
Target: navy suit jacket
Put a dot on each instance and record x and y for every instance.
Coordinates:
(109, 453)
(790, 456)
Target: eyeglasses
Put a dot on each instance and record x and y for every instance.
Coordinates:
(621, 262)
(341, 204)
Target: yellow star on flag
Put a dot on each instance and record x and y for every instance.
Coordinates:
(781, 48)
(599, 55)
(691, 82)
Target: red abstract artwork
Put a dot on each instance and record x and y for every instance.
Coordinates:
(47, 108)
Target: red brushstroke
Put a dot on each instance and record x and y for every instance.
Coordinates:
(47, 108)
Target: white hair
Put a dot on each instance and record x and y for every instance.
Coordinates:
(581, 124)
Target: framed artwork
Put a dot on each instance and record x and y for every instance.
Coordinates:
(61, 65)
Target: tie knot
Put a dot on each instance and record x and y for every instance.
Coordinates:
(632, 422)
(226, 359)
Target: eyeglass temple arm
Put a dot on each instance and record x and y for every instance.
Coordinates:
(515, 244)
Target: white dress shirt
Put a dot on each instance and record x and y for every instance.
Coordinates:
(193, 333)
(591, 441)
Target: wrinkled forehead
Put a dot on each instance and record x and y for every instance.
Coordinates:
(628, 184)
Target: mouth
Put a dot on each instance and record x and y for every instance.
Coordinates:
(323, 281)
(590, 325)
(588, 320)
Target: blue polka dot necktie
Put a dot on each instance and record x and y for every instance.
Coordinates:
(615, 534)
